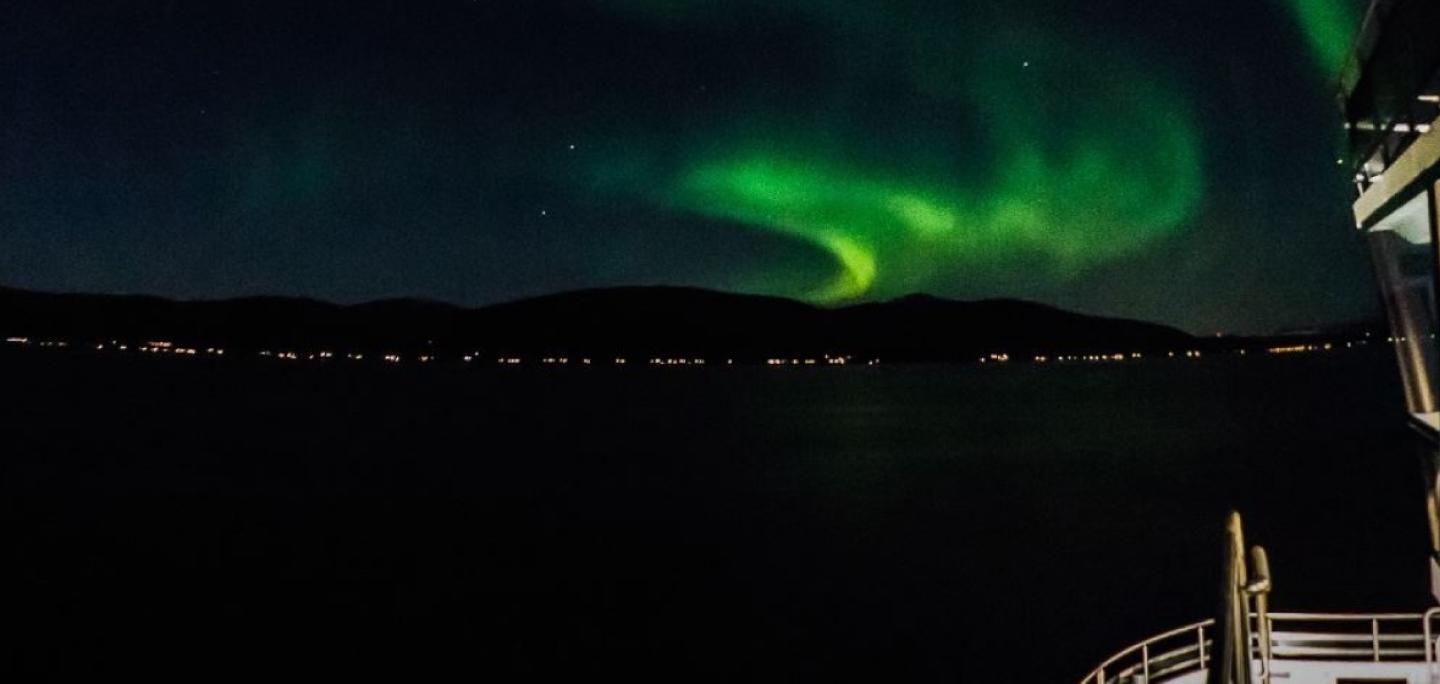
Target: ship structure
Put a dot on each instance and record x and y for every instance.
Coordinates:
(1389, 92)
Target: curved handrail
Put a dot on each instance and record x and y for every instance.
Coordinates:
(1432, 646)
(1097, 676)
(1155, 657)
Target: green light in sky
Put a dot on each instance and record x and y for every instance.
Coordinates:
(1079, 212)
(1076, 156)
(1329, 27)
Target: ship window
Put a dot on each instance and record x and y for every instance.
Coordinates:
(1403, 248)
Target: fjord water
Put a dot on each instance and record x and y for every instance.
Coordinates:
(187, 520)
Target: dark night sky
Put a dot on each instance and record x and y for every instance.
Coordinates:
(1163, 159)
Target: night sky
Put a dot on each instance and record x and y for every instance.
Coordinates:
(1172, 160)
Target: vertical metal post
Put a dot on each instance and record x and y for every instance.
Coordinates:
(1259, 588)
(1375, 638)
(1145, 661)
(1267, 651)
(1241, 644)
(1202, 646)
(1232, 664)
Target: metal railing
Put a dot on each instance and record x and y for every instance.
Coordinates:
(1375, 637)
(1178, 651)
(1432, 646)
(1378, 637)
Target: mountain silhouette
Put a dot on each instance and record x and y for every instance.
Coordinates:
(625, 321)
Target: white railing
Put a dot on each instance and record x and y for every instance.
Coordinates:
(1432, 645)
(1180, 650)
(1376, 637)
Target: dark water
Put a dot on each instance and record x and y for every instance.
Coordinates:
(200, 521)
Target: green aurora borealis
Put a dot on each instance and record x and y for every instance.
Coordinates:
(1162, 160)
(1329, 27)
(1065, 188)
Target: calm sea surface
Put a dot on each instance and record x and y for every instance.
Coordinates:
(193, 521)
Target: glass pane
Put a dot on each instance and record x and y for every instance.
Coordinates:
(1405, 264)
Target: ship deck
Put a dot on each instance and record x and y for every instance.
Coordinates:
(1328, 672)
(1303, 648)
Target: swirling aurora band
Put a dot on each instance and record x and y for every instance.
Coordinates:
(1075, 153)
(1114, 169)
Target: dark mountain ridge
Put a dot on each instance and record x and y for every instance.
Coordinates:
(626, 321)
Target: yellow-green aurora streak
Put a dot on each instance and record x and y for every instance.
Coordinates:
(1063, 189)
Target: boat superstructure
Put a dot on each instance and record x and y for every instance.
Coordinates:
(1304, 647)
(1390, 98)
